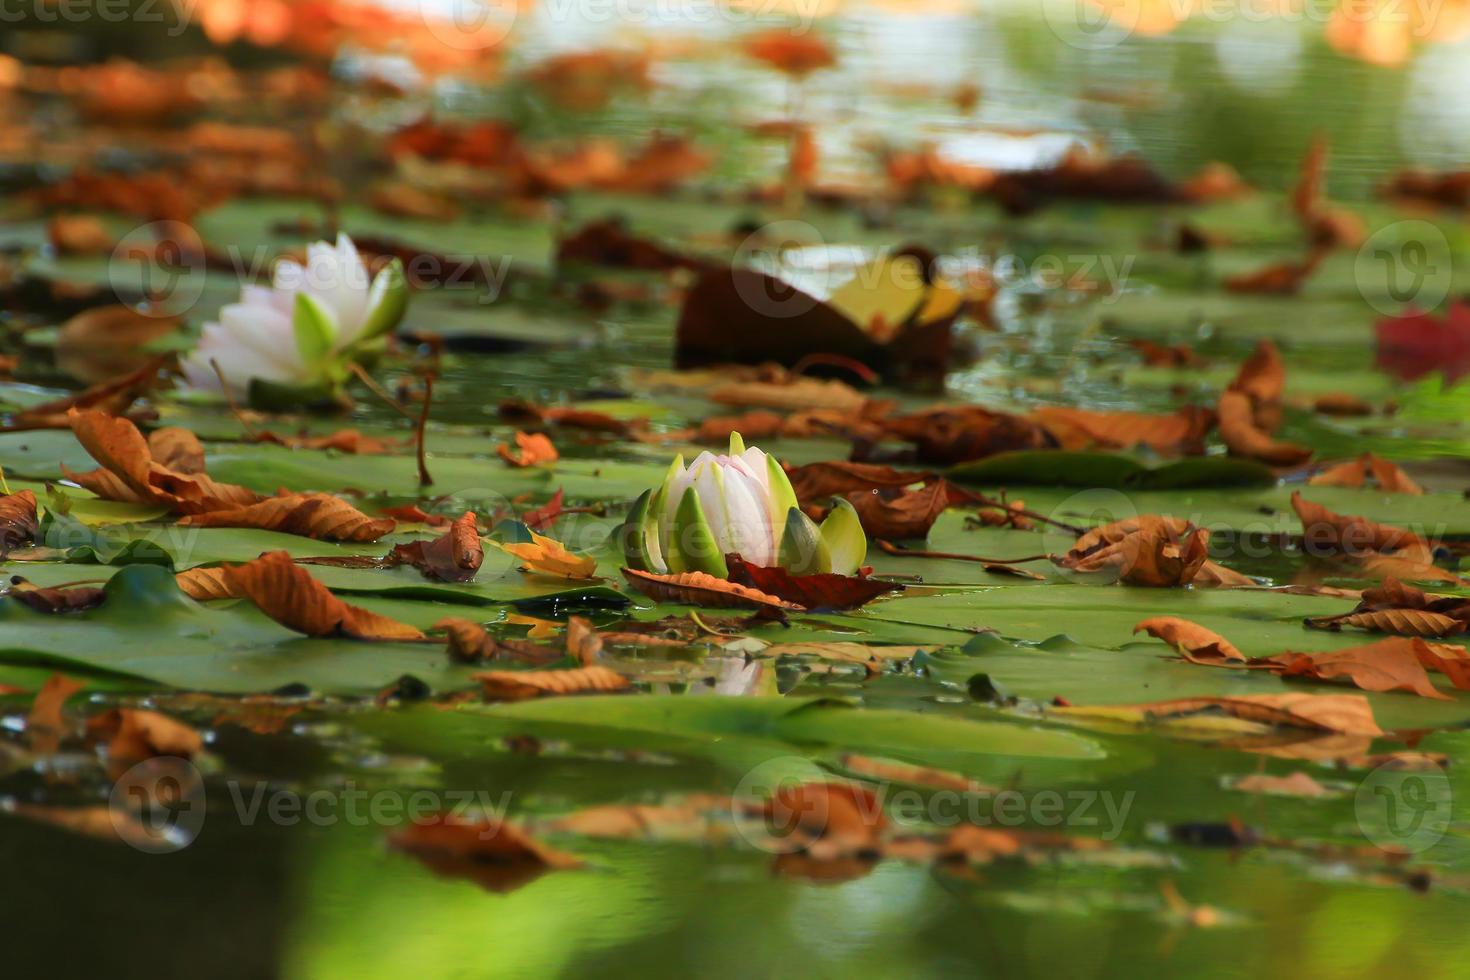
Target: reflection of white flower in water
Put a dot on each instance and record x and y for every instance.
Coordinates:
(303, 329)
(739, 503)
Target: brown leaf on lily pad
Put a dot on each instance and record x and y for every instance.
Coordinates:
(469, 642)
(1262, 379)
(900, 513)
(1401, 622)
(532, 449)
(1243, 437)
(496, 855)
(1149, 550)
(1279, 278)
(827, 819)
(112, 397)
(814, 483)
(129, 472)
(1075, 429)
(317, 515)
(287, 593)
(699, 589)
(18, 520)
(822, 591)
(1298, 784)
(203, 584)
(454, 556)
(1189, 638)
(1346, 714)
(348, 441)
(177, 449)
(518, 685)
(1388, 665)
(1357, 472)
(1326, 531)
(57, 599)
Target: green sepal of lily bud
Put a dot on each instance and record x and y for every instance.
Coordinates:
(692, 545)
(847, 543)
(803, 552)
(639, 534)
(387, 301)
(783, 496)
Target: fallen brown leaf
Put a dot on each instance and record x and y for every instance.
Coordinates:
(1148, 550)
(532, 449)
(316, 515)
(1189, 638)
(1325, 532)
(287, 593)
(18, 520)
(699, 589)
(45, 724)
(454, 556)
(133, 735)
(518, 685)
(1356, 473)
(1243, 437)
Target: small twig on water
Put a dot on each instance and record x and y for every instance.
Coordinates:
(424, 478)
(890, 548)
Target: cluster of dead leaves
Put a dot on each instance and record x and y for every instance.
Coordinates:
(1150, 550)
(168, 469)
(1395, 664)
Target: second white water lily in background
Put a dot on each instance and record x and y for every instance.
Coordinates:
(739, 503)
(302, 330)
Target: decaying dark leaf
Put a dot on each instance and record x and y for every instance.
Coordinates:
(454, 556)
(811, 592)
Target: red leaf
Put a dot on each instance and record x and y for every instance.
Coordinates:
(1414, 344)
(812, 592)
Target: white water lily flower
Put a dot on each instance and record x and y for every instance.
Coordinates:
(301, 331)
(738, 503)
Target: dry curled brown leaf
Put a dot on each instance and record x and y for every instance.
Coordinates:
(1346, 714)
(45, 723)
(699, 589)
(814, 483)
(57, 599)
(133, 735)
(1357, 472)
(532, 449)
(18, 520)
(897, 513)
(1075, 429)
(1149, 550)
(1189, 638)
(203, 584)
(287, 593)
(454, 556)
(1244, 437)
(518, 685)
(318, 515)
(129, 473)
(177, 449)
(1324, 531)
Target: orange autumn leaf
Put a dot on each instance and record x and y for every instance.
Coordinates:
(1075, 428)
(454, 556)
(1148, 550)
(1325, 531)
(1243, 438)
(1356, 472)
(129, 472)
(797, 55)
(1278, 279)
(902, 513)
(348, 441)
(532, 448)
(1388, 665)
(1344, 714)
(1189, 638)
(318, 515)
(133, 735)
(18, 520)
(1402, 622)
(177, 449)
(518, 685)
(79, 234)
(202, 584)
(1262, 379)
(45, 724)
(287, 593)
(699, 589)
(548, 556)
